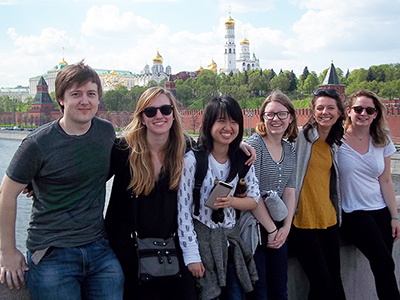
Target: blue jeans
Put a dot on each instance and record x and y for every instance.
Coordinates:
(272, 267)
(87, 272)
(233, 289)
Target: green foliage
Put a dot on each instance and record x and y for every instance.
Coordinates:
(119, 99)
(302, 103)
(8, 104)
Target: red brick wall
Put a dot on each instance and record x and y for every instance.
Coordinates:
(191, 119)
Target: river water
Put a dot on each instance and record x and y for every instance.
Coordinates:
(8, 148)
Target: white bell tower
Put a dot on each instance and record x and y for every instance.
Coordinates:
(230, 46)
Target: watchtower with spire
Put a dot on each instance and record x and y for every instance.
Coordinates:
(42, 103)
(332, 81)
(43, 108)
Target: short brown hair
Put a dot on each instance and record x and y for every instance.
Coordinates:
(78, 73)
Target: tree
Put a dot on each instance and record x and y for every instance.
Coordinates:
(8, 104)
(311, 83)
(280, 82)
(305, 74)
(293, 81)
(258, 84)
(370, 75)
(53, 98)
(206, 86)
(118, 99)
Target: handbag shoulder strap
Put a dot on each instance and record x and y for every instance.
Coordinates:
(134, 214)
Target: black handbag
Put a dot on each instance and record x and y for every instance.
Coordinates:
(157, 257)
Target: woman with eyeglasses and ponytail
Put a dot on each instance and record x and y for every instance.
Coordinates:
(370, 217)
(315, 232)
(147, 163)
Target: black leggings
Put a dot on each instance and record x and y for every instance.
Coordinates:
(371, 232)
(318, 253)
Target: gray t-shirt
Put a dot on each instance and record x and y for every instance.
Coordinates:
(68, 174)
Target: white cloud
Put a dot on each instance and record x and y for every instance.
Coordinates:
(246, 6)
(108, 22)
(342, 25)
(49, 40)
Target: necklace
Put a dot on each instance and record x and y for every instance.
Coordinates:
(360, 139)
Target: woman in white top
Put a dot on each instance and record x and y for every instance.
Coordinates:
(370, 217)
(204, 240)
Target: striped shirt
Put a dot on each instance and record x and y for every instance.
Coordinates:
(274, 175)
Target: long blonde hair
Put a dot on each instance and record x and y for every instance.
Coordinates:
(379, 128)
(142, 169)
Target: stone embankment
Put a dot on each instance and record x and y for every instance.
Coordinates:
(13, 134)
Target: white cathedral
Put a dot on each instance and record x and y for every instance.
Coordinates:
(245, 61)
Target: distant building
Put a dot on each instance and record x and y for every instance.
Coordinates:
(245, 62)
(110, 78)
(18, 92)
(50, 78)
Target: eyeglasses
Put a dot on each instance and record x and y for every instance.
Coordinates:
(359, 109)
(151, 111)
(282, 115)
(330, 92)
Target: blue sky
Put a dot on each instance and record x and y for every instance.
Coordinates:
(125, 34)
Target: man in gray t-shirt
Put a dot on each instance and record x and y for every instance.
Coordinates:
(67, 162)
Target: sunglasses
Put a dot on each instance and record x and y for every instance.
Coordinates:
(151, 111)
(330, 92)
(359, 109)
(282, 115)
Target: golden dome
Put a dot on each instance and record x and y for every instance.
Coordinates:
(245, 41)
(158, 58)
(63, 63)
(200, 69)
(230, 20)
(213, 66)
(113, 72)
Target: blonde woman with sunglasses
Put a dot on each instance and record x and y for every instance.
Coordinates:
(147, 163)
(370, 217)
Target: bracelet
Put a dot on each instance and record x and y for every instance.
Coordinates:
(275, 230)
(395, 219)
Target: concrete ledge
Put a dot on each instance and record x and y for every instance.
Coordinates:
(21, 294)
(357, 277)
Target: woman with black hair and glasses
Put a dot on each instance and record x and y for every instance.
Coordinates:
(315, 231)
(212, 248)
(370, 217)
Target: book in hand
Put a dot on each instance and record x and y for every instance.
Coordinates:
(222, 189)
